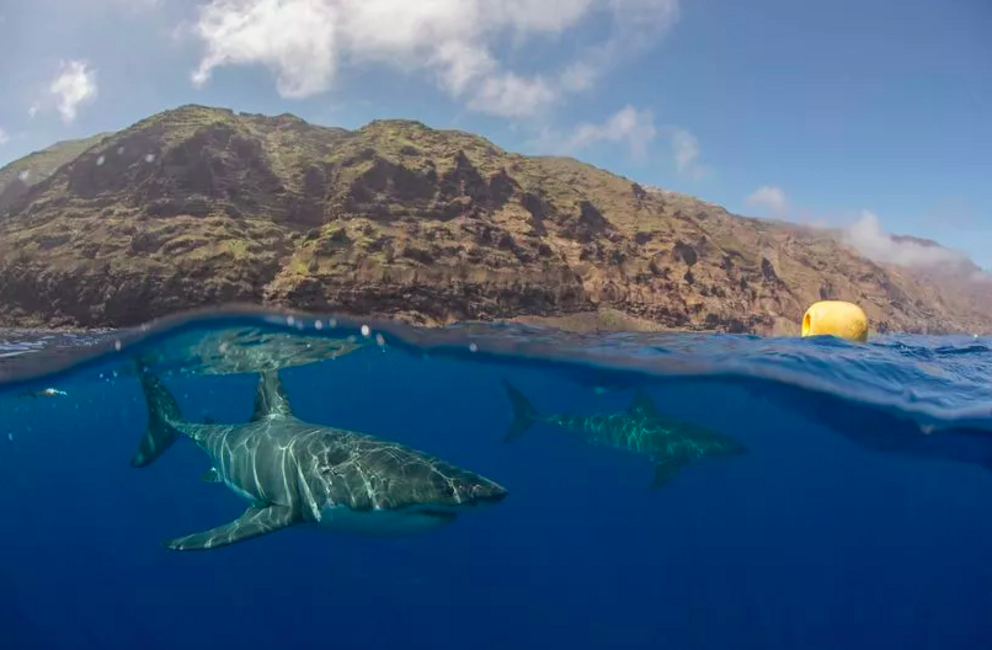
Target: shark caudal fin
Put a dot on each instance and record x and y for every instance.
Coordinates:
(524, 413)
(162, 412)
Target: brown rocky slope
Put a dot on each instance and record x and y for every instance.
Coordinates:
(198, 206)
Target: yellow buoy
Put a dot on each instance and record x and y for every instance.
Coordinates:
(838, 318)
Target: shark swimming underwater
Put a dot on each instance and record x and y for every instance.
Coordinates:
(298, 473)
(669, 443)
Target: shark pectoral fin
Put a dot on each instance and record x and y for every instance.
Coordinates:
(665, 469)
(253, 523)
(211, 476)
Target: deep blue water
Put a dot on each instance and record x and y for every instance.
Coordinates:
(845, 525)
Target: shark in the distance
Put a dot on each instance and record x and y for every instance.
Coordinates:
(298, 473)
(669, 443)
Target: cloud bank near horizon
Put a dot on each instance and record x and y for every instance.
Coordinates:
(868, 237)
(865, 234)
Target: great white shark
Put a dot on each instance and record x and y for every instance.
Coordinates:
(669, 443)
(297, 473)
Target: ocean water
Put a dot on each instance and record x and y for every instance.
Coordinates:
(860, 517)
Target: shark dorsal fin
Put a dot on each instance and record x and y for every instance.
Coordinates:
(270, 398)
(642, 404)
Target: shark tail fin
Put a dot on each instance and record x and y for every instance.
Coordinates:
(524, 413)
(163, 411)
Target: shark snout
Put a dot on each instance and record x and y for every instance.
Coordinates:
(735, 448)
(487, 493)
(478, 492)
(459, 487)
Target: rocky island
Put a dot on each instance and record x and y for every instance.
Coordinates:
(199, 206)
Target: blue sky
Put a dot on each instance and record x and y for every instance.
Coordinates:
(867, 113)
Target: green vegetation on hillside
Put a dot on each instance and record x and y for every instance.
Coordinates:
(196, 206)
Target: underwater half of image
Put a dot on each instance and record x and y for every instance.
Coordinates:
(368, 484)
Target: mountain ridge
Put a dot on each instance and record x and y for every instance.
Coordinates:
(19, 175)
(197, 205)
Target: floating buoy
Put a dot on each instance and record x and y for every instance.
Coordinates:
(838, 318)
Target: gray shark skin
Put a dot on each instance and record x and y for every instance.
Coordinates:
(245, 350)
(670, 444)
(298, 473)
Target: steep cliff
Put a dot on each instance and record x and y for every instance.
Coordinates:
(198, 206)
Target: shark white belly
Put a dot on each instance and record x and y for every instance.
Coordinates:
(383, 523)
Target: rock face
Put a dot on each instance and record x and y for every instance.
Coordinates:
(19, 176)
(197, 206)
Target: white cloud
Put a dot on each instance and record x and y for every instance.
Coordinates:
(509, 95)
(293, 38)
(74, 86)
(136, 5)
(628, 125)
(304, 42)
(637, 26)
(686, 151)
(867, 236)
(528, 15)
(632, 127)
(458, 65)
(577, 77)
(4, 138)
(770, 197)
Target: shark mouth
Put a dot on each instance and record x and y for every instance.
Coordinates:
(450, 512)
(437, 513)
